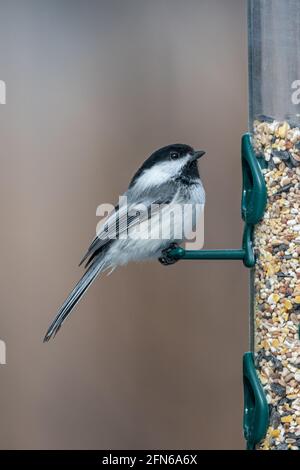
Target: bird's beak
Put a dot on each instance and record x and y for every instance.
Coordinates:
(198, 154)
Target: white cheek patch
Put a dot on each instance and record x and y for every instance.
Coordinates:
(160, 173)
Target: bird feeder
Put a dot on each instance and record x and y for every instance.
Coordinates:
(271, 213)
(274, 73)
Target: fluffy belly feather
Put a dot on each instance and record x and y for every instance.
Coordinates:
(171, 223)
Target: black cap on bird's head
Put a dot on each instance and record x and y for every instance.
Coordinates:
(174, 152)
(169, 162)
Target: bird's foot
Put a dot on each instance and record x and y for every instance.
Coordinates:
(166, 259)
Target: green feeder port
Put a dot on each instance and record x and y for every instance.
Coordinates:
(256, 410)
(254, 199)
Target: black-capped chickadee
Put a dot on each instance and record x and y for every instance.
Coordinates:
(168, 179)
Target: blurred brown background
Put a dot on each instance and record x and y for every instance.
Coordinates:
(152, 357)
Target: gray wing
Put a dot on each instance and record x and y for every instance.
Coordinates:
(124, 218)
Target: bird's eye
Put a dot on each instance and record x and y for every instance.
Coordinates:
(174, 155)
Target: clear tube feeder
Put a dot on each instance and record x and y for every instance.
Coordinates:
(274, 121)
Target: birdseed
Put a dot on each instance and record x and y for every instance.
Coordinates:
(277, 281)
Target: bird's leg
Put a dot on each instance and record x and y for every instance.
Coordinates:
(166, 259)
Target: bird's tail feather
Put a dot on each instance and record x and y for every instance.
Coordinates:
(74, 297)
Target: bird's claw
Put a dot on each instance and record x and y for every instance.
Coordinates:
(166, 259)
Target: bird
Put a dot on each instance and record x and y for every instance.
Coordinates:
(168, 179)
